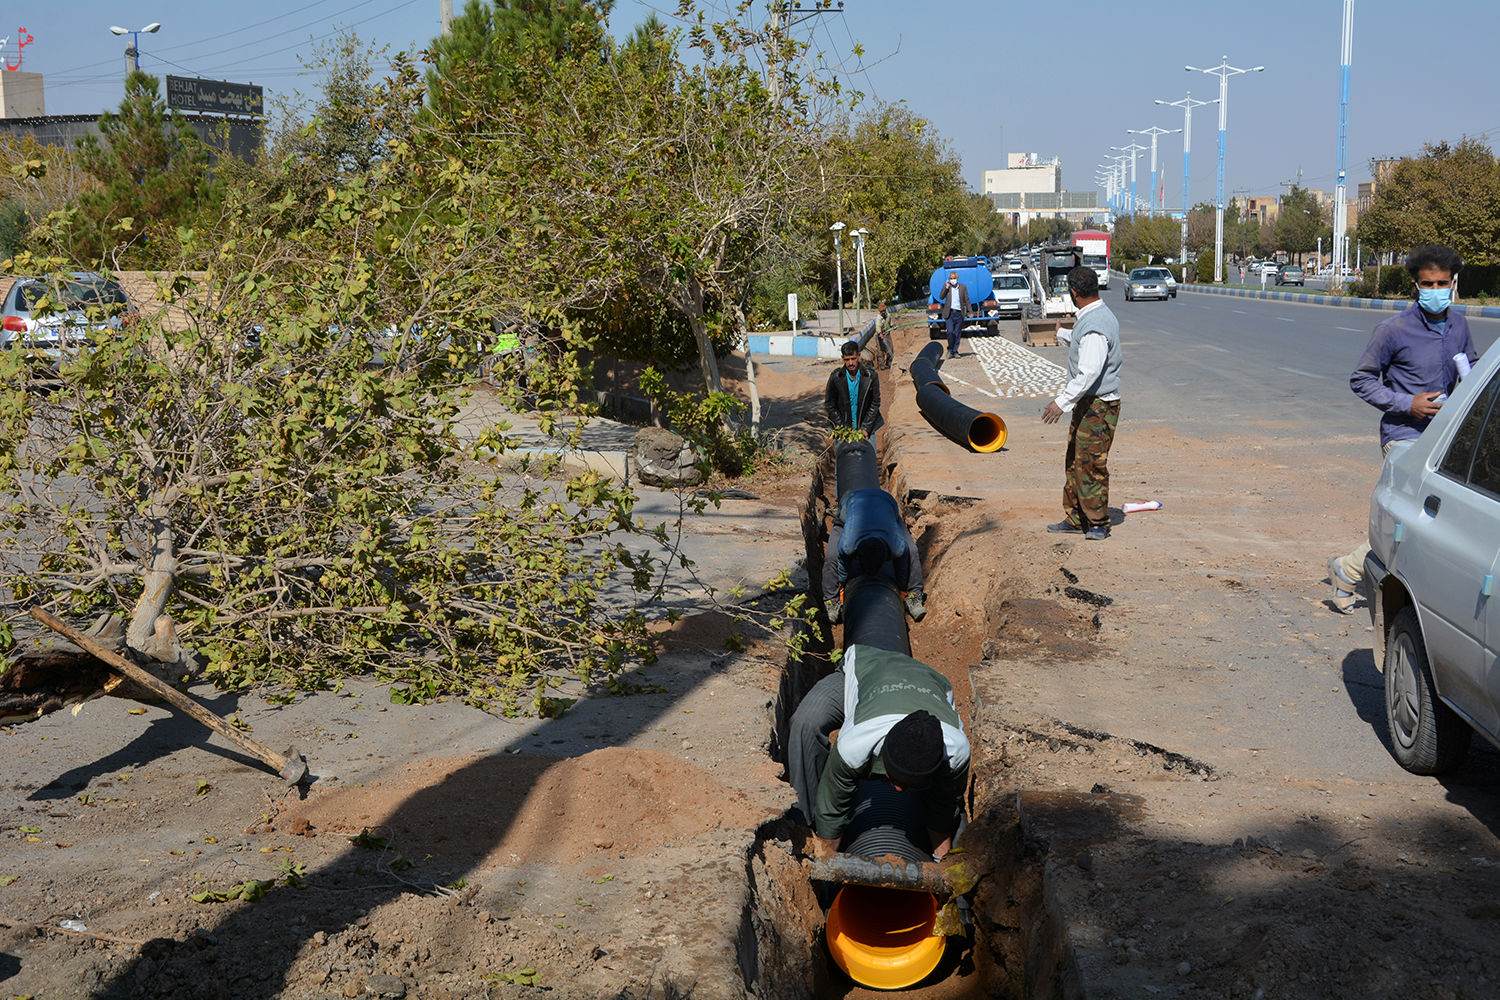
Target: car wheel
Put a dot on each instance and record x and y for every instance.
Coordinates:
(936, 333)
(1427, 737)
(1127, 296)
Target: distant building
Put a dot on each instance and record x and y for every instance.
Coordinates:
(21, 95)
(1031, 188)
(23, 113)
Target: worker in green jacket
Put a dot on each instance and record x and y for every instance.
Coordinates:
(896, 721)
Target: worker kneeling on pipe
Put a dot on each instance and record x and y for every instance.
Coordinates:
(897, 721)
(869, 538)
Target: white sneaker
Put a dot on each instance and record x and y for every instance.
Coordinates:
(1343, 601)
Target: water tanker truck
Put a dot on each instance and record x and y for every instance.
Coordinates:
(974, 272)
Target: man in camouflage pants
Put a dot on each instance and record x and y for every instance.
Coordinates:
(1092, 393)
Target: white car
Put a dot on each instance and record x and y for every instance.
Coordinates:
(1431, 578)
(47, 317)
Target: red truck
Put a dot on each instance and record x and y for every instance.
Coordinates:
(1095, 246)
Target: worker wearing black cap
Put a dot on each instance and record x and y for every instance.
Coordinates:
(896, 720)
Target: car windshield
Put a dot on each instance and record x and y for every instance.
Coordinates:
(1147, 274)
(1291, 270)
(78, 294)
(1010, 281)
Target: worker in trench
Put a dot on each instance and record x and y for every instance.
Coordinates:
(896, 721)
(870, 538)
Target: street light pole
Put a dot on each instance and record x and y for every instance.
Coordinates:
(1340, 192)
(838, 257)
(1186, 104)
(1223, 71)
(1131, 150)
(133, 53)
(1153, 132)
(859, 271)
(1118, 171)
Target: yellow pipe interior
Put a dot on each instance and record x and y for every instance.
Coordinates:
(987, 433)
(883, 938)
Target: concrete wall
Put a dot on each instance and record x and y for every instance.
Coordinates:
(21, 95)
(239, 136)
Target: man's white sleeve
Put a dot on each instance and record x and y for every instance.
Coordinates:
(1093, 351)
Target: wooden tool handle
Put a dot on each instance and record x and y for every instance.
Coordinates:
(168, 693)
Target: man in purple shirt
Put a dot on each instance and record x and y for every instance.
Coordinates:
(1413, 361)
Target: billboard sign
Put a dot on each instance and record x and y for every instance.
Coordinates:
(185, 93)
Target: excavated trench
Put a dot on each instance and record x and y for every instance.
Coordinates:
(1014, 944)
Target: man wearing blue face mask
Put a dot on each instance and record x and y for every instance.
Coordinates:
(1413, 361)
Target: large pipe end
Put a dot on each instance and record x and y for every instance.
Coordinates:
(884, 938)
(987, 433)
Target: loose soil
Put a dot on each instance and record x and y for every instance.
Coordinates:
(1159, 814)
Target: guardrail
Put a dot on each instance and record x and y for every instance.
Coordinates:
(1347, 302)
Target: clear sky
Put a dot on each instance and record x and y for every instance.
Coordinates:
(1046, 76)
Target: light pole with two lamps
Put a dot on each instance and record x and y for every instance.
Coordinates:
(1223, 71)
(859, 271)
(1187, 104)
(838, 260)
(1153, 132)
(1131, 151)
(133, 53)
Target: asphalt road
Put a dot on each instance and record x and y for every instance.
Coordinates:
(1234, 359)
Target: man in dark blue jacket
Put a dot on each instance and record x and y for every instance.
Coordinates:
(1414, 359)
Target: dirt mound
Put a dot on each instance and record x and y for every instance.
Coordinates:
(511, 810)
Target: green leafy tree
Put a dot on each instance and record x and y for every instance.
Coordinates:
(484, 47)
(1301, 222)
(288, 508)
(152, 174)
(1450, 194)
(892, 174)
(1050, 229)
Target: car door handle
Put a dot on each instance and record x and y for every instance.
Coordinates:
(1432, 503)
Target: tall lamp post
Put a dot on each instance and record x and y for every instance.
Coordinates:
(859, 271)
(1131, 151)
(133, 53)
(1340, 194)
(1153, 132)
(1187, 104)
(1223, 71)
(838, 258)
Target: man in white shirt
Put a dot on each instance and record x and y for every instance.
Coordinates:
(1092, 395)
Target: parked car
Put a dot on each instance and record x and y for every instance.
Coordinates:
(1431, 578)
(1148, 283)
(48, 316)
(1012, 293)
(1291, 274)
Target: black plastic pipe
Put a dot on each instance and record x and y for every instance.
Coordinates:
(854, 467)
(983, 432)
(875, 615)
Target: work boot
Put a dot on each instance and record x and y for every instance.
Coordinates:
(835, 610)
(916, 606)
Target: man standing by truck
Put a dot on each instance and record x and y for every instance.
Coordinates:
(1092, 394)
(955, 309)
